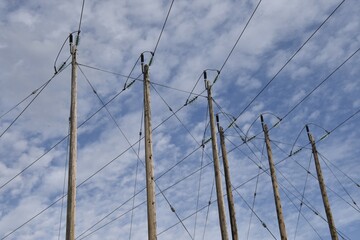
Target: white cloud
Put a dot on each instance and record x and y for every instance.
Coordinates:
(198, 35)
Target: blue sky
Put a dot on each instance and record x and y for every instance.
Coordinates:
(198, 35)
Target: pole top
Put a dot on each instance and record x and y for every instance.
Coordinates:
(220, 129)
(264, 126)
(261, 119)
(146, 67)
(309, 134)
(207, 84)
(142, 58)
(205, 75)
(70, 38)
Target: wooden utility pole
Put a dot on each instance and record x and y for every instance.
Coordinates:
(219, 194)
(230, 197)
(71, 196)
(279, 212)
(322, 187)
(149, 164)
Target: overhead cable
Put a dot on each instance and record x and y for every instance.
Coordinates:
(288, 61)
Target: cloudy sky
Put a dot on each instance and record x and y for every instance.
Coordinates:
(294, 60)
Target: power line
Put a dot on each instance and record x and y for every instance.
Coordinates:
(169, 187)
(310, 93)
(81, 16)
(264, 170)
(185, 218)
(321, 83)
(173, 210)
(208, 208)
(106, 224)
(127, 140)
(136, 175)
(173, 113)
(256, 215)
(183, 127)
(346, 120)
(230, 53)
(198, 191)
(200, 174)
(56, 144)
(107, 71)
(338, 195)
(352, 180)
(23, 100)
(288, 61)
(308, 204)
(302, 197)
(286, 191)
(241, 34)
(64, 181)
(284, 188)
(255, 194)
(342, 186)
(163, 27)
(170, 109)
(32, 100)
(32, 163)
(32, 218)
(58, 55)
(80, 125)
(136, 78)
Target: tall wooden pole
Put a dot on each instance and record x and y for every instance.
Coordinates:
(71, 197)
(279, 212)
(149, 165)
(219, 194)
(322, 187)
(230, 197)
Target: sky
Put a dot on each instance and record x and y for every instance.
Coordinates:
(295, 61)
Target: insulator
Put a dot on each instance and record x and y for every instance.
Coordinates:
(208, 140)
(131, 83)
(323, 137)
(62, 66)
(142, 58)
(77, 40)
(205, 75)
(276, 124)
(151, 59)
(251, 138)
(297, 151)
(192, 100)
